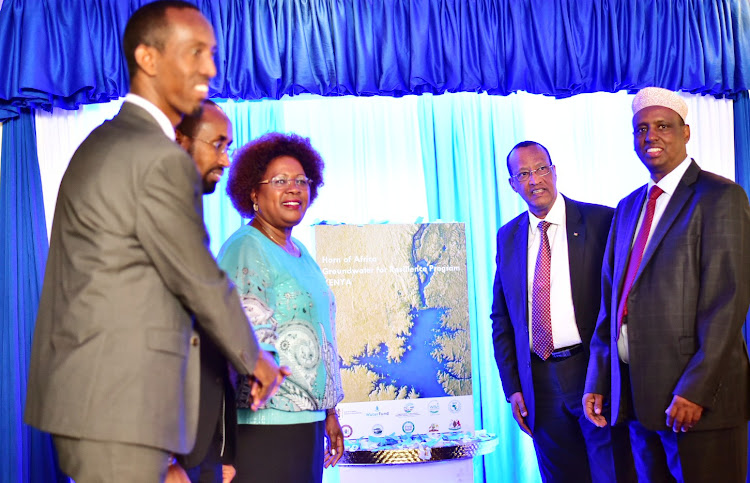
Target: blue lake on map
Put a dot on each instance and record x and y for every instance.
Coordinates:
(417, 368)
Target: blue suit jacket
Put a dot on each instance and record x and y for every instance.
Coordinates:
(587, 228)
(686, 307)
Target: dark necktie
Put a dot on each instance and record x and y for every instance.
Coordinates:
(636, 254)
(541, 321)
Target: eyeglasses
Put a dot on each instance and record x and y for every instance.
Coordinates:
(524, 176)
(219, 146)
(281, 182)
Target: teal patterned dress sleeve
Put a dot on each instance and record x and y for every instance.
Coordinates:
(244, 261)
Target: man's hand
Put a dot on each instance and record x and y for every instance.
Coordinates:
(175, 474)
(682, 414)
(267, 379)
(592, 408)
(227, 473)
(518, 405)
(335, 441)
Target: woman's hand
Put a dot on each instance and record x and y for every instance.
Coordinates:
(335, 448)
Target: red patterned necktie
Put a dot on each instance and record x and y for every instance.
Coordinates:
(636, 254)
(541, 321)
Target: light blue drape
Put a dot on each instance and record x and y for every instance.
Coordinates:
(27, 454)
(463, 140)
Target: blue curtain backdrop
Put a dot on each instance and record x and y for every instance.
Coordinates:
(66, 53)
(463, 182)
(27, 455)
(742, 171)
(742, 155)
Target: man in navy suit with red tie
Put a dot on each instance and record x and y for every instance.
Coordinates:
(675, 294)
(546, 299)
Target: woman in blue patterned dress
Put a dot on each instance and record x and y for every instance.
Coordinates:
(273, 180)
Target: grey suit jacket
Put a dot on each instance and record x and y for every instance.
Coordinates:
(587, 228)
(114, 355)
(686, 307)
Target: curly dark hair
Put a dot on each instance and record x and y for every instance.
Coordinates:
(252, 159)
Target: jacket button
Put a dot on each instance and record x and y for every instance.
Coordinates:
(194, 341)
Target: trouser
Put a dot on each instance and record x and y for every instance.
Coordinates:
(89, 461)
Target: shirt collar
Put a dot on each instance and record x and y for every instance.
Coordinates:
(155, 112)
(669, 183)
(555, 216)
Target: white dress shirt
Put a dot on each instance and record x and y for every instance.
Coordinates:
(564, 327)
(156, 113)
(668, 184)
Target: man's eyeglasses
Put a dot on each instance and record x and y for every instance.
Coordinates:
(220, 146)
(524, 176)
(281, 182)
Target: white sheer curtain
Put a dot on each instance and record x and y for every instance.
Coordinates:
(371, 146)
(589, 139)
(373, 159)
(58, 135)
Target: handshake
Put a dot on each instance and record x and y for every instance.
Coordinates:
(265, 379)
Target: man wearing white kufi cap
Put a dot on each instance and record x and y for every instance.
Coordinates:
(668, 351)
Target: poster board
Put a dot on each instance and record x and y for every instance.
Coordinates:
(402, 326)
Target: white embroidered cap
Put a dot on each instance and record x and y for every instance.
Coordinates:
(656, 96)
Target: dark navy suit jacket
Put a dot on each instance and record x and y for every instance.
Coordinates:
(217, 407)
(587, 229)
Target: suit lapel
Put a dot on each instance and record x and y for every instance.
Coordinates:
(626, 233)
(681, 195)
(576, 231)
(519, 242)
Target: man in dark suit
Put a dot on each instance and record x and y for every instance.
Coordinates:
(207, 137)
(544, 309)
(114, 370)
(675, 293)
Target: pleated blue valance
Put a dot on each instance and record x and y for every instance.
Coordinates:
(65, 53)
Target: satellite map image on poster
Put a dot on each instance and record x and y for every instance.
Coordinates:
(402, 308)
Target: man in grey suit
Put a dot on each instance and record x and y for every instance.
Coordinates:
(543, 315)
(114, 370)
(675, 294)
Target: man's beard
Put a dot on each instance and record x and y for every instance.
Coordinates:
(208, 187)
